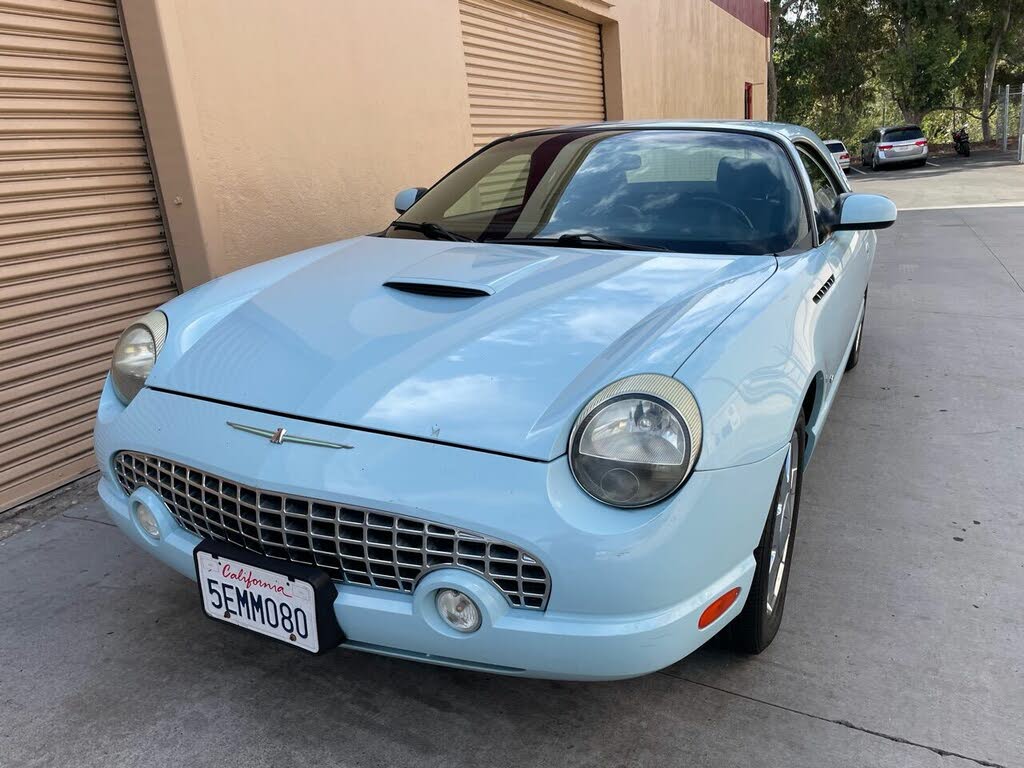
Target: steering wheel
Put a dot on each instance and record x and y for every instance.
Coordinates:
(737, 213)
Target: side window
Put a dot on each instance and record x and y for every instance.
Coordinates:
(823, 188)
(503, 187)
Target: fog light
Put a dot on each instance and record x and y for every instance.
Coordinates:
(458, 611)
(146, 520)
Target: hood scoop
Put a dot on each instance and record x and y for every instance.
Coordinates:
(448, 289)
(469, 271)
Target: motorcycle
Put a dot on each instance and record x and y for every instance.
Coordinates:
(962, 142)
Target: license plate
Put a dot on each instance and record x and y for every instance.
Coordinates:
(286, 601)
(904, 149)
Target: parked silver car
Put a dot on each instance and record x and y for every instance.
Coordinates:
(839, 153)
(899, 144)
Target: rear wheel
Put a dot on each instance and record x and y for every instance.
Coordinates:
(874, 162)
(759, 621)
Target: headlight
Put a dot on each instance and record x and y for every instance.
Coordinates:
(636, 441)
(135, 354)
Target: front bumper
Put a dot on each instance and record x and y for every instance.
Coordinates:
(627, 588)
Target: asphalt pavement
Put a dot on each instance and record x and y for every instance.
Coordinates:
(986, 178)
(903, 640)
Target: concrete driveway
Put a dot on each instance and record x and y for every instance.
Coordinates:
(985, 178)
(902, 643)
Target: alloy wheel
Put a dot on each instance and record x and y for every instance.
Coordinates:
(783, 524)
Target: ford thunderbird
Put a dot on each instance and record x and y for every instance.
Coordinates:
(552, 421)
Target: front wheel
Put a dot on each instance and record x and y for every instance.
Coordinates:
(759, 621)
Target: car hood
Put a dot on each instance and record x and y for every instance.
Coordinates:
(518, 340)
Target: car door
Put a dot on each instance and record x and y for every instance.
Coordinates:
(846, 257)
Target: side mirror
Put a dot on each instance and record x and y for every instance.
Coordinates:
(857, 210)
(404, 200)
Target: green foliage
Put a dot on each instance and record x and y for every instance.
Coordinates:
(844, 67)
(823, 80)
(923, 55)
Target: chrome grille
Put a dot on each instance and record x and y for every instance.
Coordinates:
(354, 545)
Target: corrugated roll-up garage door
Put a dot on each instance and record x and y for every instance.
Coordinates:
(82, 247)
(529, 66)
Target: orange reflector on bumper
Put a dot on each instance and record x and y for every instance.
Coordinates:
(717, 608)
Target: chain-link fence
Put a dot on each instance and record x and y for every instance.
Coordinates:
(1010, 118)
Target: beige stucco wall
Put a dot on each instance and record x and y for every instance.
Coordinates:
(688, 58)
(276, 126)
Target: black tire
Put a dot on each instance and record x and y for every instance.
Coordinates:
(874, 163)
(854, 358)
(920, 163)
(757, 624)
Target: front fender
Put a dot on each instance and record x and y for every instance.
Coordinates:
(751, 375)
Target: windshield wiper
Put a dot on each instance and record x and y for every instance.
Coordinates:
(577, 240)
(432, 230)
(588, 239)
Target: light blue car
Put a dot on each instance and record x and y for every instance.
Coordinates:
(551, 422)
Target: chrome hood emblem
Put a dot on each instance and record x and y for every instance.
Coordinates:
(280, 435)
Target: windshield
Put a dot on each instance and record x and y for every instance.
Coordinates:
(835, 146)
(686, 191)
(910, 133)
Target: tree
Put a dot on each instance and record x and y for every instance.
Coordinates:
(777, 10)
(823, 54)
(921, 58)
(1001, 12)
(835, 62)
